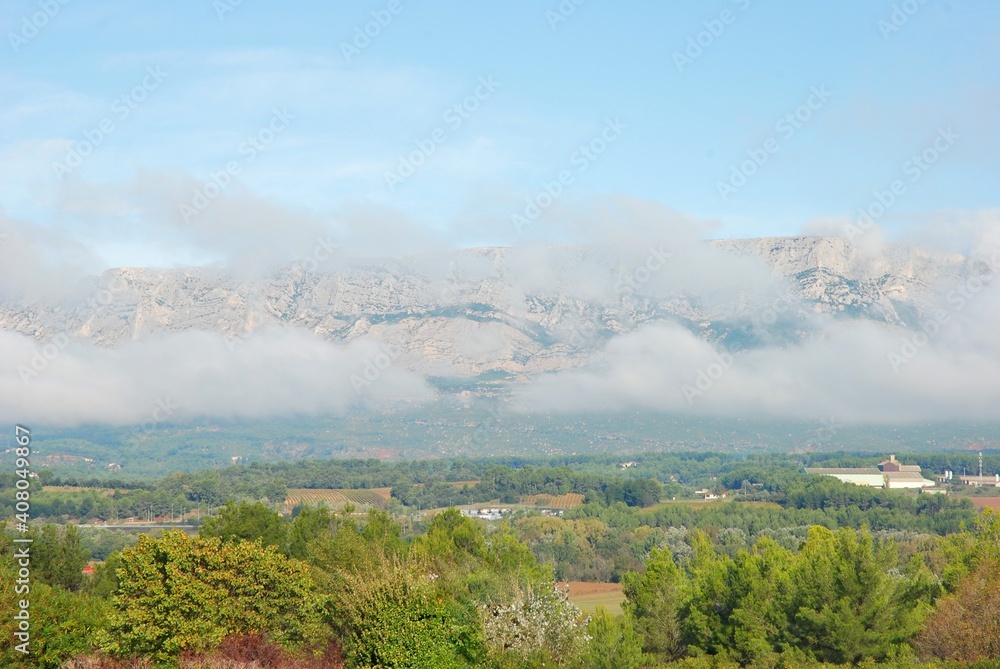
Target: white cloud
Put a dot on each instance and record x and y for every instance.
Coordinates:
(847, 372)
(274, 372)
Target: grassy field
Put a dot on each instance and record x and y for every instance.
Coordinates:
(588, 596)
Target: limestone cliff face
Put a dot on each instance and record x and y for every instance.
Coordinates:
(514, 311)
(838, 277)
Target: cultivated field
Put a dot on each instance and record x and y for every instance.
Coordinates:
(567, 501)
(588, 596)
(986, 502)
(336, 498)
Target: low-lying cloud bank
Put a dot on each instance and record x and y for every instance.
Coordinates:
(183, 376)
(854, 372)
(857, 372)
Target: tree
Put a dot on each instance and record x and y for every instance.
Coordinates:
(177, 594)
(104, 582)
(760, 582)
(62, 623)
(382, 531)
(706, 627)
(309, 524)
(453, 537)
(341, 547)
(58, 558)
(613, 644)
(846, 606)
(965, 550)
(634, 492)
(654, 599)
(248, 522)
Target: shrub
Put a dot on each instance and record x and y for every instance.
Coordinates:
(393, 618)
(178, 594)
(965, 626)
(537, 622)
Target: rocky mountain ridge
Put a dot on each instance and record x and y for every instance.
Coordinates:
(519, 311)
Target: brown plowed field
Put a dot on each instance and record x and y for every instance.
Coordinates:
(588, 596)
(579, 588)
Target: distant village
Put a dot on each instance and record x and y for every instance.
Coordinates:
(501, 513)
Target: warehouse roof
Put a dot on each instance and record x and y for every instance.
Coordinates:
(904, 476)
(835, 471)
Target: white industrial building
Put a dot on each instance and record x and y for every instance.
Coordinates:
(869, 476)
(888, 474)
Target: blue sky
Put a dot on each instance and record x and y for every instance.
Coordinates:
(894, 77)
